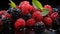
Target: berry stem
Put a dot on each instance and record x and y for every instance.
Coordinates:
(12, 4)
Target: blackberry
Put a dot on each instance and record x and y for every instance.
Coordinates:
(56, 10)
(59, 12)
(7, 26)
(15, 13)
(56, 24)
(27, 16)
(39, 27)
(58, 32)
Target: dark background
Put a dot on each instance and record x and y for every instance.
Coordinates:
(53, 3)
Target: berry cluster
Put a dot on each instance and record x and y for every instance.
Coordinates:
(27, 16)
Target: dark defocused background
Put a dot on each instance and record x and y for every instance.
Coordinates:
(53, 3)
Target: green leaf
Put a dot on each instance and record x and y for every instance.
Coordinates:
(45, 12)
(12, 4)
(37, 4)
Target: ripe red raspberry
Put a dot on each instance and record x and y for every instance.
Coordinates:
(19, 23)
(32, 9)
(54, 15)
(49, 8)
(24, 10)
(47, 21)
(24, 6)
(24, 2)
(30, 22)
(27, 5)
(2, 12)
(3, 16)
(37, 16)
(7, 15)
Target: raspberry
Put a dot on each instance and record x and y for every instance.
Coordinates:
(47, 21)
(24, 2)
(7, 15)
(25, 10)
(25, 7)
(3, 16)
(30, 22)
(2, 12)
(32, 9)
(54, 15)
(19, 23)
(49, 8)
(37, 16)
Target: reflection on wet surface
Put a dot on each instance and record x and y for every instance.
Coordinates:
(36, 32)
(29, 31)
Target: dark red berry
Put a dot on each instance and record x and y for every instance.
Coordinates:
(30, 22)
(24, 2)
(19, 23)
(54, 15)
(47, 21)
(7, 15)
(25, 6)
(2, 12)
(37, 16)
